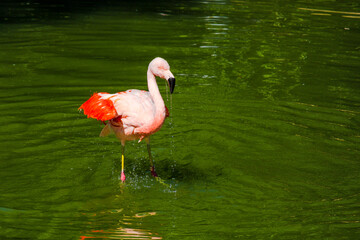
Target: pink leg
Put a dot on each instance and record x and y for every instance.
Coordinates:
(122, 163)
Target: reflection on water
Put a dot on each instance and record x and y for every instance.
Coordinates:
(124, 232)
(331, 11)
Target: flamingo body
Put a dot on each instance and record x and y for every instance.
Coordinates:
(133, 114)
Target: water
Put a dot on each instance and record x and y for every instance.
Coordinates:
(262, 142)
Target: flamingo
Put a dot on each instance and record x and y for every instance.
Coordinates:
(133, 114)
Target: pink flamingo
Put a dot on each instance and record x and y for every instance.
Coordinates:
(133, 114)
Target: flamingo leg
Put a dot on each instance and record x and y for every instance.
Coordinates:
(122, 161)
(152, 166)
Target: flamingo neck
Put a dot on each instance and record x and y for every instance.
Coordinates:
(155, 93)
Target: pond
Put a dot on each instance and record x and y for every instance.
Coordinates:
(263, 136)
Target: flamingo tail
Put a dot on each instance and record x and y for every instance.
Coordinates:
(106, 130)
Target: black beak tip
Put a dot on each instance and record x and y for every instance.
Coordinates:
(171, 84)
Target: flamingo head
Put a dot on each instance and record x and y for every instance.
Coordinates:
(160, 67)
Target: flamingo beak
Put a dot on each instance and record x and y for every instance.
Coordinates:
(171, 84)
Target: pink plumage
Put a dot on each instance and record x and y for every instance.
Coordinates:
(133, 114)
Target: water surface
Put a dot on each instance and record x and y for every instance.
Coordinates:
(262, 142)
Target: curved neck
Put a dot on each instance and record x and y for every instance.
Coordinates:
(154, 92)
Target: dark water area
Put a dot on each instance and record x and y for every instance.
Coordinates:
(262, 140)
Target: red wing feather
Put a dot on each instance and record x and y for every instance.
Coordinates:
(99, 108)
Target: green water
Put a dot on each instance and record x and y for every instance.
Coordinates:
(262, 142)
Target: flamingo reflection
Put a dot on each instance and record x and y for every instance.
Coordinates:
(124, 232)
